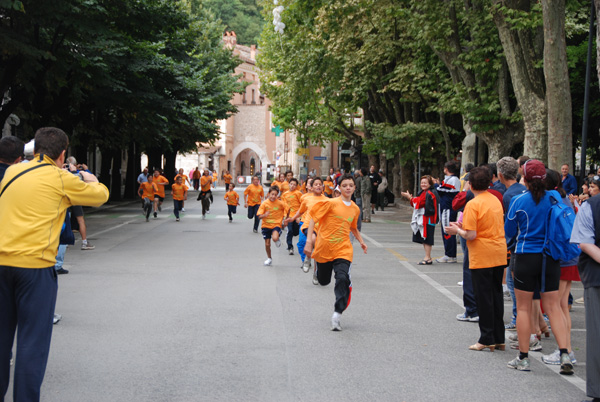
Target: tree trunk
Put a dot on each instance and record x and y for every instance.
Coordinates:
(528, 84)
(115, 182)
(133, 171)
(397, 176)
(105, 166)
(170, 169)
(558, 90)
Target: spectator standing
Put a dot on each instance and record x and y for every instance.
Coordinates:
(586, 233)
(77, 210)
(28, 248)
(568, 180)
(358, 198)
(496, 183)
(374, 183)
(143, 177)
(365, 194)
(383, 185)
(447, 191)
(196, 178)
(11, 152)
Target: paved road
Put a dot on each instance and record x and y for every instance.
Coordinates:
(185, 311)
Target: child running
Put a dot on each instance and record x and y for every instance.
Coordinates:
(233, 200)
(146, 192)
(272, 211)
(253, 196)
(179, 192)
(184, 179)
(333, 251)
(292, 199)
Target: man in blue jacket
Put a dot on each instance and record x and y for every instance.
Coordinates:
(568, 180)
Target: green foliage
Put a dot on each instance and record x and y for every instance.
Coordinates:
(241, 16)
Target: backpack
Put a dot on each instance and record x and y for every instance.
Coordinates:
(560, 224)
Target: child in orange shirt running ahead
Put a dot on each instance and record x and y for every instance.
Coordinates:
(179, 192)
(272, 211)
(233, 200)
(333, 251)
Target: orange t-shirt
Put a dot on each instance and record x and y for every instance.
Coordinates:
(196, 175)
(307, 202)
(215, 176)
(205, 182)
(232, 198)
(227, 178)
(277, 211)
(183, 177)
(161, 189)
(335, 220)
(282, 185)
(255, 194)
(178, 191)
(148, 190)
(485, 215)
(328, 187)
(303, 188)
(292, 199)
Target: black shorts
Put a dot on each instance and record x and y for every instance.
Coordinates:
(266, 233)
(528, 274)
(159, 198)
(417, 238)
(77, 211)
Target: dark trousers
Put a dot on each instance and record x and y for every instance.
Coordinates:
(591, 298)
(380, 197)
(177, 206)
(147, 206)
(27, 300)
(468, 292)
(293, 229)
(231, 209)
(449, 241)
(226, 187)
(343, 283)
(252, 210)
(196, 183)
(487, 283)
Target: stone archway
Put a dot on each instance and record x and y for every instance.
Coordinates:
(256, 149)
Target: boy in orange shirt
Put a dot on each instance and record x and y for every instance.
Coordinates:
(292, 199)
(160, 181)
(146, 192)
(179, 192)
(333, 250)
(233, 200)
(227, 179)
(272, 211)
(205, 182)
(253, 196)
(282, 184)
(328, 187)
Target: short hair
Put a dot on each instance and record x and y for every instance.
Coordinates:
(289, 171)
(508, 167)
(364, 171)
(523, 159)
(294, 179)
(274, 188)
(468, 167)
(564, 164)
(11, 148)
(493, 169)
(346, 176)
(428, 178)
(231, 185)
(51, 141)
(452, 167)
(72, 160)
(317, 178)
(480, 178)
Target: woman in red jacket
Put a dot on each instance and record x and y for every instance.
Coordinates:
(425, 216)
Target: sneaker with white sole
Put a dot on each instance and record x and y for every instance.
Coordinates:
(268, 262)
(467, 318)
(182, 209)
(291, 251)
(306, 265)
(335, 322)
(459, 283)
(554, 358)
(315, 280)
(57, 318)
(520, 364)
(446, 259)
(87, 246)
(278, 243)
(566, 367)
(534, 344)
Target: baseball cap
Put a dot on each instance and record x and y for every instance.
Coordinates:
(534, 169)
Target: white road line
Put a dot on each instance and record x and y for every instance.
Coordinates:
(375, 243)
(109, 229)
(573, 379)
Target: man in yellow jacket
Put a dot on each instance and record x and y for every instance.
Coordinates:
(34, 197)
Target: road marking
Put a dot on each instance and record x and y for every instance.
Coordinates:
(573, 379)
(113, 228)
(375, 243)
(398, 255)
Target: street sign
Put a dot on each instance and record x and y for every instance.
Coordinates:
(320, 158)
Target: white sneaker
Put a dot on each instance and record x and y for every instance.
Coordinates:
(335, 322)
(315, 279)
(554, 358)
(278, 243)
(182, 209)
(268, 262)
(306, 265)
(446, 259)
(291, 251)
(460, 283)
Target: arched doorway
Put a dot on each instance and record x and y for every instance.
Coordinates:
(252, 166)
(243, 168)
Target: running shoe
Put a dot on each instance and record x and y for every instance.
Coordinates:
(57, 318)
(87, 246)
(182, 209)
(306, 265)
(255, 231)
(518, 364)
(534, 344)
(465, 317)
(459, 283)
(511, 326)
(513, 337)
(335, 322)
(566, 367)
(554, 358)
(315, 280)
(176, 219)
(155, 215)
(446, 259)
(203, 216)
(278, 243)
(291, 251)
(62, 271)
(268, 262)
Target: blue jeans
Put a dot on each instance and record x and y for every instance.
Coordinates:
(252, 213)
(468, 291)
(360, 218)
(60, 256)
(510, 283)
(27, 297)
(177, 206)
(292, 228)
(301, 243)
